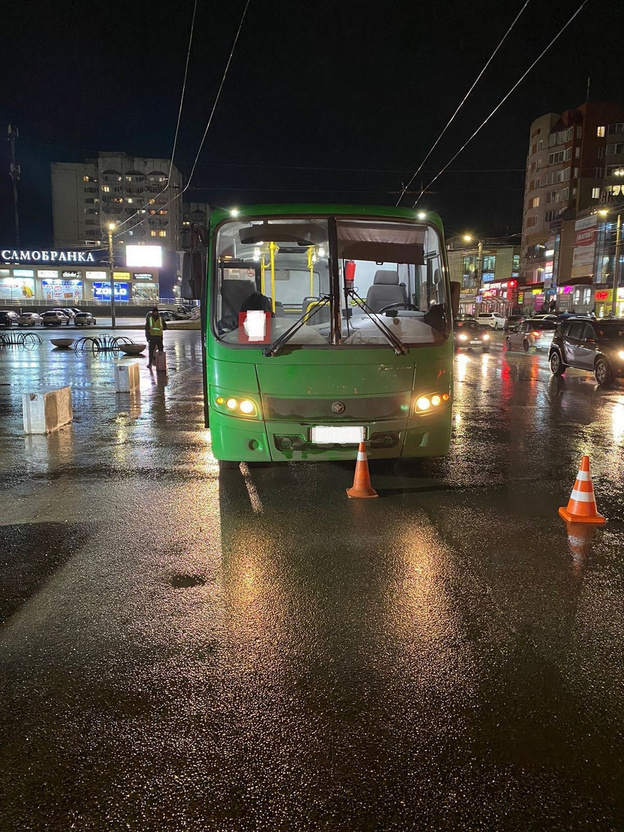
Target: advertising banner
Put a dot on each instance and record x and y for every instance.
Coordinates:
(101, 291)
(62, 290)
(585, 231)
(22, 288)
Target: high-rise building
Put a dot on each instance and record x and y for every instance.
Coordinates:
(133, 192)
(573, 166)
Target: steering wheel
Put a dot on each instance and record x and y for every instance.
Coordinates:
(400, 305)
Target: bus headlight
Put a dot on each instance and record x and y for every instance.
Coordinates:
(425, 403)
(235, 405)
(621, 355)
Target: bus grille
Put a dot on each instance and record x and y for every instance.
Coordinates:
(358, 408)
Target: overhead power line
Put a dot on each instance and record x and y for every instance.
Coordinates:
(502, 101)
(461, 103)
(210, 117)
(180, 108)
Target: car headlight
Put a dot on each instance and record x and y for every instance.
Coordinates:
(235, 405)
(621, 355)
(463, 337)
(424, 403)
(486, 337)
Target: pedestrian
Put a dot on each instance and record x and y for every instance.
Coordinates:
(154, 328)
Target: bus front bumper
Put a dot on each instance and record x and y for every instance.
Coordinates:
(250, 440)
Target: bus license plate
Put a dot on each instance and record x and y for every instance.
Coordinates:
(338, 435)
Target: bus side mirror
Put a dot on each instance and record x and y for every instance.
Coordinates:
(193, 269)
(455, 290)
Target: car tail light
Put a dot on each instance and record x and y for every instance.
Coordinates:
(536, 334)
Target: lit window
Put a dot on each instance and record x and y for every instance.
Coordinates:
(162, 233)
(595, 192)
(106, 189)
(85, 178)
(153, 233)
(600, 131)
(129, 199)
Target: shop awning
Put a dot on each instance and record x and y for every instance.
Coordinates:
(586, 280)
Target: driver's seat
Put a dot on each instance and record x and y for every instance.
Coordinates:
(385, 290)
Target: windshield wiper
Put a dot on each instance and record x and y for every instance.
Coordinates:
(396, 343)
(276, 346)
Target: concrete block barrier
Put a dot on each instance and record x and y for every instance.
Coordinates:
(127, 378)
(47, 410)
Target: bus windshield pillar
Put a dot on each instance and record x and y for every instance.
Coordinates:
(334, 284)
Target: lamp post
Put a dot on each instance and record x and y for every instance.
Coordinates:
(467, 238)
(111, 262)
(616, 260)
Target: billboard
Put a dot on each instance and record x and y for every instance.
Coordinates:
(144, 256)
(585, 231)
(62, 290)
(22, 288)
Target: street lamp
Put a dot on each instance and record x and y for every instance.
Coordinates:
(111, 262)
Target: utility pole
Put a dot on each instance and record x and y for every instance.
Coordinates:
(13, 134)
(616, 264)
(111, 262)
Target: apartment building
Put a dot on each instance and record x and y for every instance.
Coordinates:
(133, 192)
(488, 272)
(575, 165)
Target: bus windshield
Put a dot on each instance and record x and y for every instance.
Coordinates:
(358, 273)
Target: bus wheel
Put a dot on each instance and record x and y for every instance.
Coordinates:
(228, 465)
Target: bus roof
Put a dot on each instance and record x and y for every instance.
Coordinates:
(332, 209)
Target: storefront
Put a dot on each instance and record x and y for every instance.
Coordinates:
(47, 277)
(603, 302)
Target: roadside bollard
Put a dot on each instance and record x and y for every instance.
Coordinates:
(47, 410)
(127, 378)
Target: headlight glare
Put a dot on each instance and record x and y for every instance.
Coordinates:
(247, 407)
(621, 355)
(423, 403)
(231, 404)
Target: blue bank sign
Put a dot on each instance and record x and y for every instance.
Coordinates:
(43, 255)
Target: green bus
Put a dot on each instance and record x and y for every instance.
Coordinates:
(325, 326)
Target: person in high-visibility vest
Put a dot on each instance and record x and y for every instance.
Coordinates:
(154, 328)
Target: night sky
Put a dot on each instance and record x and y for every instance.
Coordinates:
(325, 100)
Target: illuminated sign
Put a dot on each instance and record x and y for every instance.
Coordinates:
(121, 275)
(71, 275)
(150, 256)
(45, 256)
(95, 275)
(47, 273)
(144, 276)
(603, 294)
(12, 289)
(61, 290)
(102, 291)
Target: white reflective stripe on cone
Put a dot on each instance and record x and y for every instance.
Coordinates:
(361, 456)
(583, 475)
(582, 496)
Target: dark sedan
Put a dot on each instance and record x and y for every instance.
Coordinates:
(468, 334)
(7, 317)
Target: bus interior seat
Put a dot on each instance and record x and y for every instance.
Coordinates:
(307, 301)
(385, 290)
(320, 317)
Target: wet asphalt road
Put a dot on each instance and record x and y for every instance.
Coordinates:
(256, 652)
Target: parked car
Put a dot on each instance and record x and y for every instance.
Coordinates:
(166, 314)
(84, 319)
(7, 317)
(468, 334)
(588, 344)
(465, 318)
(511, 321)
(54, 317)
(492, 319)
(534, 332)
(29, 319)
(67, 310)
(546, 316)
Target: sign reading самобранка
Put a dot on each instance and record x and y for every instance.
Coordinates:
(37, 255)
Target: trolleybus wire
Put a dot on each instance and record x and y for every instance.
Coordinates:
(502, 101)
(177, 129)
(208, 124)
(405, 188)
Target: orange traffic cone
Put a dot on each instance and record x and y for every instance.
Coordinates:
(361, 481)
(582, 504)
